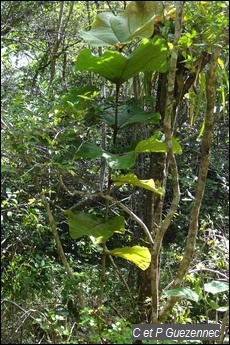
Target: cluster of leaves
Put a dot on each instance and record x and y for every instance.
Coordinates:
(53, 127)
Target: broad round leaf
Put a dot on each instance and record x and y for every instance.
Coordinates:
(151, 55)
(183, 293)
(81, 224)
(216, 286)
(128, 115)
(136, 21)
(154, 145)
(140, 256)
(120, 161)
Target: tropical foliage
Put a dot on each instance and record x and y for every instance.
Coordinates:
(114, 168)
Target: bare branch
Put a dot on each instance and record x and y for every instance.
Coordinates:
(172, 164)
(203, 170)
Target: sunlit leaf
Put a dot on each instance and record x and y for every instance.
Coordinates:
(154, 145)
(216, 286)
(151, 55)
(215, 306)
(137, 21)
(223, 309)
(132, 179)
(202, 128)
(221, 63)
(140, 256)
(74, 101)
(120, 161)
(183, 293)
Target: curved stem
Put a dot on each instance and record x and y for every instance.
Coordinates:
(200, 187)
(57, 239)
(172, 164)
(116, 115)
(103, 277)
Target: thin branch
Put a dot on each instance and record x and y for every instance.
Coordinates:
(57, 238)
(108, 198)
(19, 307)
(168, 121)
(76, 192)
(172, 164)
(209, 270)
(203, 170)
(130, 213)
(119, 204)
(122, 279)
(224, 327)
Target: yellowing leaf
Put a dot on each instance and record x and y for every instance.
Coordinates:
(140, 256)
(132, 179)
(154, 145)
(221, 63)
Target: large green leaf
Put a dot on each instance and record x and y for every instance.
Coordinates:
(129, 114)
(183, 293)
(216, 286)
(120, 161)
(132, 179)
(87, 150)
(151, 55)
(124, 160)
(137, 20)
(154, 145)
(140, 256)
(81, 224)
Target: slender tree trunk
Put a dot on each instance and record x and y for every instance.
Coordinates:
(154, 202)
(149, 279)
(203, 170)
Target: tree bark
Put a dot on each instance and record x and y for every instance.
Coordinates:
(149, 279)
(203, 170)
